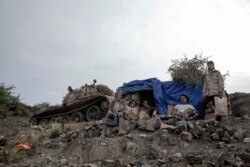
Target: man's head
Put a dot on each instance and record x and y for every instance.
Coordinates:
(70, 89)
(118, 95)
(132, 103)
(184, 99)
(210, 65)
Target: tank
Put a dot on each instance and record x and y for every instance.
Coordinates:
(78, 105)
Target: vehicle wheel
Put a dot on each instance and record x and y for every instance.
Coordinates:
(43, 122)
(93, 113)
(105, 105)
(33, 121)
(52, 120)
(66, 119)
(76, 117)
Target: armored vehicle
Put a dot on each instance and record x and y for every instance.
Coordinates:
(81, 104)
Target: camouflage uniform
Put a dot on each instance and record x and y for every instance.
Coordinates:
(69, 98)
(118, 107)
(213, 84)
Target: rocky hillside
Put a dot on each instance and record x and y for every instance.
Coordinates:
(147, 143)
(240, 103)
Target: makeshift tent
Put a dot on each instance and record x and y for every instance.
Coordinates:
(167, 92)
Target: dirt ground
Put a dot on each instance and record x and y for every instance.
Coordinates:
(80, 145)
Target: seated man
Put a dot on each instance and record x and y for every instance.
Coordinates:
(184, 110)
(70, 97)
(115, 115)
(132, 111)
(147, 108)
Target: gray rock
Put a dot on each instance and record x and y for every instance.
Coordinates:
(206, 136)
(247, 140)
(150, 128)
(194, 159)
(229, 129)
(210, 129)
(190, 125)
(171, 121)
(239, 134)
(64, 161)
(225, 139)
(176, 157)
(89, 165)
(131, 148)
(49, 159)
(157, 152)
(166, 126)
(141, 125)
(186, 136)
(220, 145)
(182, 124)
(215, 136)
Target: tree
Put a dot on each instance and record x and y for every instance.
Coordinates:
(41, 106)
(189, 71)
(105, 90)
(7, 97)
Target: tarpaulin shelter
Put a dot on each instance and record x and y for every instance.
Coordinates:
(164, 93)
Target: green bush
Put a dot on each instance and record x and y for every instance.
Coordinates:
(41, 106)
(7, 97)
(19, 156)
(189, 71)
(105, 90)
(55, 133)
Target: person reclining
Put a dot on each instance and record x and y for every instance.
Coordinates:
(184, 110)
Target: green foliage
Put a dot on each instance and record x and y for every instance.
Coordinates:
(42, 136)
(189, 71)
(41, 106)
(67, 129)
(19, 156)
(7, 97)
(55, 133)
(105, 90)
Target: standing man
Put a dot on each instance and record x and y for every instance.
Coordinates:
(213, 86)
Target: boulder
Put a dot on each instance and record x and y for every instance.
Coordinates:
(143, 116)
(141, 124)
(3, 140)
(246, 140)
(157, 152)
(131, 148)
(176, 158)
(239, 134)
(229, 129)
(186, 136)
(194, 159)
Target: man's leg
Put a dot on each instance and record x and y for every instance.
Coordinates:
(205, 100)
(104, 130)
(121, 123)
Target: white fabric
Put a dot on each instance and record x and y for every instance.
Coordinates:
(184, 107)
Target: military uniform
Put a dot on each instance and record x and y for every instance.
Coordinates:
(213, 85)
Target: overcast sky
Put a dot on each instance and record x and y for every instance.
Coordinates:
(46, 45)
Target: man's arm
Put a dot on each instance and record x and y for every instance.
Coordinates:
(220, 84)
(176, 111)
(205, 86)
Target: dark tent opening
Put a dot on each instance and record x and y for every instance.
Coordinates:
(147, 95)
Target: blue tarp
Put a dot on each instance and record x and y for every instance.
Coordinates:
(167, 92)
